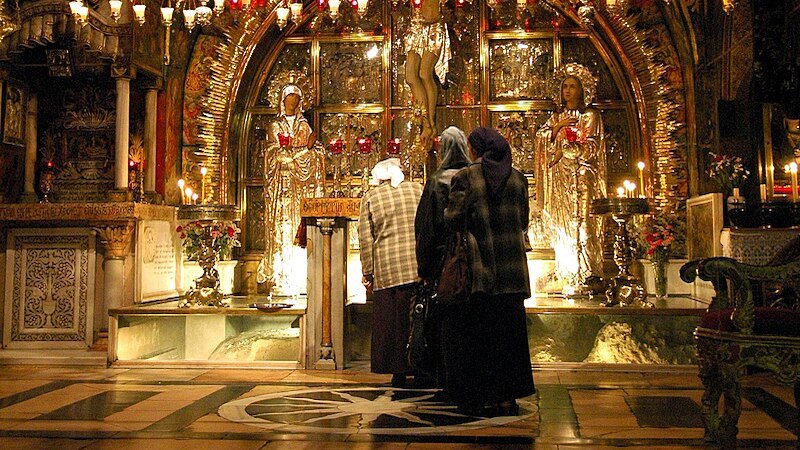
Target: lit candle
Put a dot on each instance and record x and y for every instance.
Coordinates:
(620, 192)
(627, 185)
(393, 146)
(181, 184)
(793, 171)
(203, 173)
(194, 198)
(189, 193)
(640, 165)
(631, 189)
(336, 146)
(365, 145)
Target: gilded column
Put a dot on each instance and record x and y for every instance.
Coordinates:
(121, 143)
(327, 359)
(115, 239)
(150, 107)
(29, 193)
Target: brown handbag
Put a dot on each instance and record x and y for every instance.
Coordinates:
(455, 279)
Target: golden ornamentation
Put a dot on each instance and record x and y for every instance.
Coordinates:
(116, 239)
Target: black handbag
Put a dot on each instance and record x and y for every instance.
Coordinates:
(455, 280)
(421, 355)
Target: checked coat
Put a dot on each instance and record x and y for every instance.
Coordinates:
(386, 234)
(496, 228)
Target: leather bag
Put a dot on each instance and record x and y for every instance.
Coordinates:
(455, 280)
(420, 348)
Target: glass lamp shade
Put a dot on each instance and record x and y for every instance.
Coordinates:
(282, 14)
(297, 11)
(188, 18)
(219, 5)
(138, 13)
(203, 15)
(116, 6)
(166, 15)
(333, 5)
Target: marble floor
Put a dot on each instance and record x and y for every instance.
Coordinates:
(83, 408)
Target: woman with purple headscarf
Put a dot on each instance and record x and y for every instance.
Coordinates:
(487, 363)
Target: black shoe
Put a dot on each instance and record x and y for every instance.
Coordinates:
(398, 380)
(507, 409)
(474, 410)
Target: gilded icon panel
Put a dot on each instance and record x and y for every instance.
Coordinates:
(519, 128)
(258, 140)
(351, 72)
(14, 113)
(254, 219)
(520, 69)
(618, 144)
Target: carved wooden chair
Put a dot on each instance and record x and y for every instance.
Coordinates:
(753, 320)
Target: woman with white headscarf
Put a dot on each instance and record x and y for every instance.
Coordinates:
(293, 169)
(389, 265)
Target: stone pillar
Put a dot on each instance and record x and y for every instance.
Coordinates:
(115, 239)
(150, 107)
(121, 142)
(29, 192)
(327, 358)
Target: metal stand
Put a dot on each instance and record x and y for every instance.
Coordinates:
(624, 289)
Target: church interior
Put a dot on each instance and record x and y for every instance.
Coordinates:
(181, 181)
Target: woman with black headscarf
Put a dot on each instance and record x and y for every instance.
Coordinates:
(429, 222)
(485, 343)
(429, 230)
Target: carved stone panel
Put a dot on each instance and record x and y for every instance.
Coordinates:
(49, 292)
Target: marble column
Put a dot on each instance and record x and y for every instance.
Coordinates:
(115, 239)
(121, 143)
(327, 358)
(29, 192)
(150, 109)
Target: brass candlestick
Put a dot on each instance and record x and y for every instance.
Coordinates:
(624, 289)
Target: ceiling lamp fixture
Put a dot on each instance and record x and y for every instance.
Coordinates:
(362, 7)
(116, 7)
(79, 11)
(297, 11)
(138, 13)
(282, 14)
(333, 8)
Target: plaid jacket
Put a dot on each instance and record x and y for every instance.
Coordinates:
(386, 234)
(497, 228)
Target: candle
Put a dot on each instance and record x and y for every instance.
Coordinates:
(336, 146)
(640, 166)
(763, 191)
(203, 173)
(793, 171)
(631, 189)
(365, 145)
(194, 198)
(181, 184)
(393, 146)
(620, 192)
(627, 186)
(189, 194)
(284, 139)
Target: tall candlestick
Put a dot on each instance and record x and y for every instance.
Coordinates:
(181, 185)
(793, 171)
(763, 192)
(203, 173)
(640, 166)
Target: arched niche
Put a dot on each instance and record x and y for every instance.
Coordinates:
(641, 91)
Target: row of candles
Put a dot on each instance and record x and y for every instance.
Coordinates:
(629, 189)
(791, 168)
(188, 195)
(336, 145)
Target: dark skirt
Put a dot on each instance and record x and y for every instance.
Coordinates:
(390, 328)
(485, 351)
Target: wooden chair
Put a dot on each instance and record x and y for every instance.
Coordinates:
(738, 331)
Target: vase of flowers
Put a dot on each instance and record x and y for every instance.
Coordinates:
(659, 234)
(222, 237)
(727, 171)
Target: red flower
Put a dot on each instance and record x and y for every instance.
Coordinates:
(231, 231)
(179, 229)
(183, 236)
